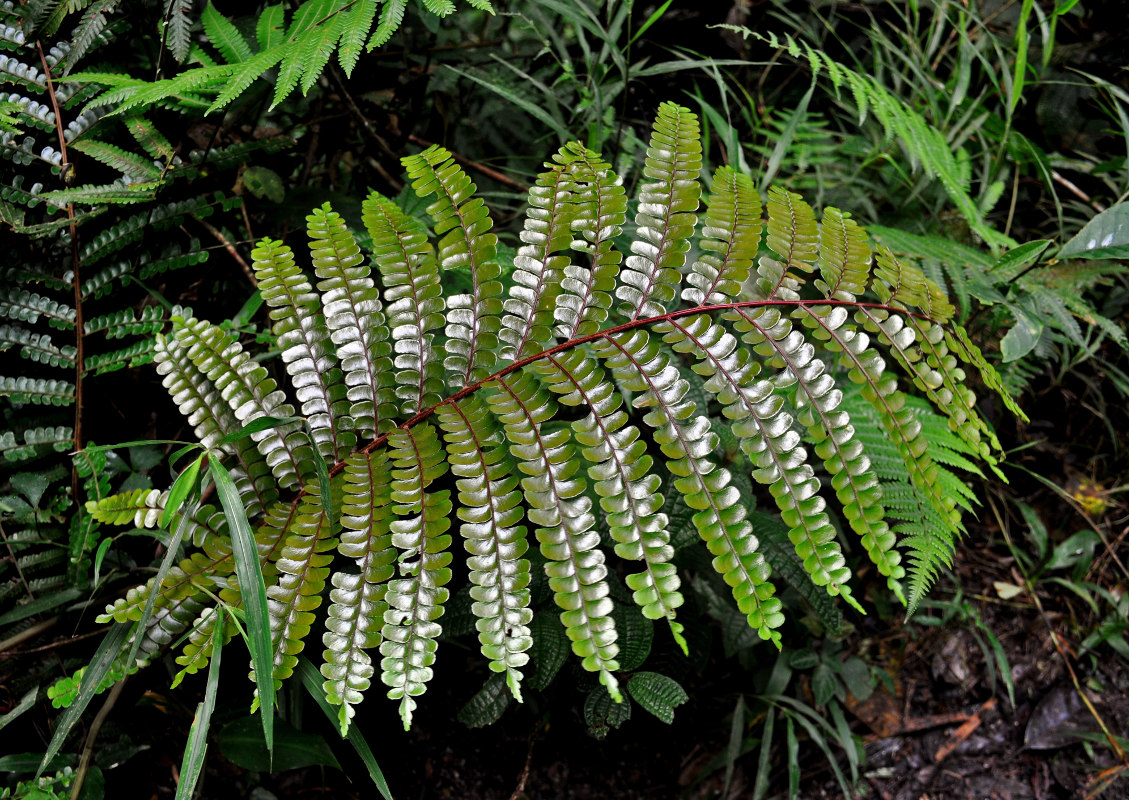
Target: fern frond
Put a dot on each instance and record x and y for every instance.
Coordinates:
(23, 305)
(212, 419)
(416, 598)
(495, 541)
(302, 570)
(563, 515)
(464, 223)
(303, 337)
(224, 36)
(35, 440)
(177, 27)
(36, 347)
(38, 391)
(731, 229)
(390, 18)
(406, 261)
(354, 30)
(666, 219)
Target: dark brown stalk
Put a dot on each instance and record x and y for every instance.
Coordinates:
(65, 172)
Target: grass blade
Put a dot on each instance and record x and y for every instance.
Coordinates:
(99, 666)
(312, 680)
(254, 593)
(197, 749)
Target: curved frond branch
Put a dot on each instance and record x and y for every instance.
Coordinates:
(766, 434)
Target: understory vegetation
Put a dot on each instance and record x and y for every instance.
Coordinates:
(552, 367)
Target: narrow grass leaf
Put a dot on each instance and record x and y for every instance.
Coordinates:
(256, 426)
(197, 749)
(312, 680)
(104, 657)
(183, 485)
(254, 593)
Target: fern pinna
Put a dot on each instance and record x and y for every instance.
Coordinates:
(399, 385)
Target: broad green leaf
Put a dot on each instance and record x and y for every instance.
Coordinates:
(241, 743)
(1105, 236)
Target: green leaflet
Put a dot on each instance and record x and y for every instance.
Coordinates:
(303, 337)
(666, 217)
(406, 261)
(367, 538)
(537, 272)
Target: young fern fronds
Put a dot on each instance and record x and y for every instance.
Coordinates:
(406, 261)
(731, 232)
(415, 599)
(463, 221)
(351, 306)
(559, 507)
(357, 599)
(495, 541)
(666, 218)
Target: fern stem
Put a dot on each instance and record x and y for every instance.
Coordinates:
(65, 173)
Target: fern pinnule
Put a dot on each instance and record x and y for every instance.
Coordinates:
(406, 262)
(600, 209)
(666, 219)
(537, 271)
(415, 599)
(303, 566)
(495, 541)
(562, 514)
(463, 221)
(357, 600)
